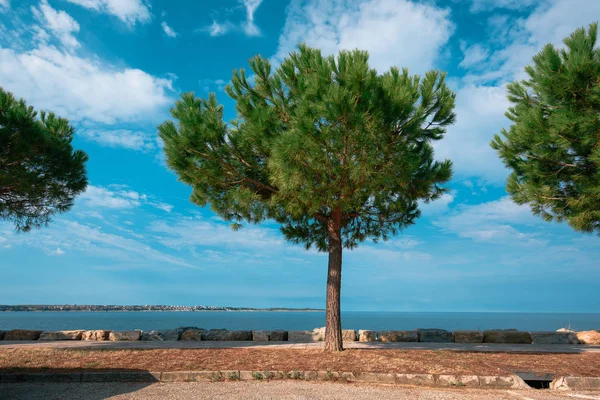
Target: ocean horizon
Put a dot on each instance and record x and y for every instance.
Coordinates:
(294, 320)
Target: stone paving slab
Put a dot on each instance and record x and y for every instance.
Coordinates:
(472, 347)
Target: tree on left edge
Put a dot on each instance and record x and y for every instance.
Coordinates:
(40, 172)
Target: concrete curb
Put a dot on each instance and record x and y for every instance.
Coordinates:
(431, 380)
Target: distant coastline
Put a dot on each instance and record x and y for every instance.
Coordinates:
(115, 308)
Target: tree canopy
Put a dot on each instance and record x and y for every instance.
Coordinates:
(553, 145)
(326, 146)
(40, 173)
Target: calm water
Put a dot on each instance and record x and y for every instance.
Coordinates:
(294, 320)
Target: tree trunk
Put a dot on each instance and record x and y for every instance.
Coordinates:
(333, 321)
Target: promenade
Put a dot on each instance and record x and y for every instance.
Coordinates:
(468, 347)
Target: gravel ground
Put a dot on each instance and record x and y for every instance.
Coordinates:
(270, 390)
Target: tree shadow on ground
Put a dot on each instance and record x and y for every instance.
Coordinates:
(56, 383)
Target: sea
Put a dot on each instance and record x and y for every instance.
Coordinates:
(259, 320)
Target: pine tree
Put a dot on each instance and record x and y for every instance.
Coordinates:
(334, 152)
(40, 173)
(553, 145)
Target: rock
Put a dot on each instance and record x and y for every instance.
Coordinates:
(214, 334)
(564, 330)
(398, 336)
(349, 335)
(96, 335)
(467, 336)
(506, 336)
(192, 335)
(367, 336)
(238, 335)
(553, 338)
(318, 334)
(61, 335)
(585, 337)
(2, 334)
(22, 334)
(434, 335)
(160, 335)
(260, 336)
(124, 336)
(278, 336)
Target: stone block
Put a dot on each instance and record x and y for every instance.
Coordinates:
(260, 336)
(22, 334)
(585, 337)
(304, 336)
(458, 380)
(348, 335)
(2, 333)
(161, 335)
(61, 335)
(375, 377)
(397, 336)
(434, 335)
(467, 336)
(125, 376)
(96, 335)
(125, 336)
(503, 382)
(237, 336)
(553, 338)
(278, 336)
(367, 336)
(575, 383)
(506, 336)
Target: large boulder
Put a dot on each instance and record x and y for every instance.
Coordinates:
(22, 334)
(61, 335)
(2, 333)
(96, 335)
(467, 336)
(512, 336)
(349, 335)
(434, 335)
(367, 336)
(585, 337)
(554, 338)
(125, 336)
(160, 335)
(192, 335)
(398, 336)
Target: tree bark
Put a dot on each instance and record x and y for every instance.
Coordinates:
(333, 321)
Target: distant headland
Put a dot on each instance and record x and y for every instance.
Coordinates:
(85, 307)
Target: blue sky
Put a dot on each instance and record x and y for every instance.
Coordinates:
(114, 67)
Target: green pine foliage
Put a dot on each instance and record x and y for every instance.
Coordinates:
(553, 145)
(317, 135)
(40, 173)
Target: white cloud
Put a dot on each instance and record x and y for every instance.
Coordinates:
(395, 32)
(480, 114)
(473, 55)
(118, 197)
(96, 196)
(190, 233)
(249, 27)
(82, 88)
(133, 140)
(168, 30)
(4, 5)
(128, 11)
(492, 221)
(210, 85)
(438, 206)
(61, 24)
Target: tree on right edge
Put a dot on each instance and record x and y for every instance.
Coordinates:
(553, 145)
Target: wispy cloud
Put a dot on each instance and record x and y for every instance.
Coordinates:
(133, 140)
(168, 30)
(248, 27)
(61, 24)
(118, 197)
